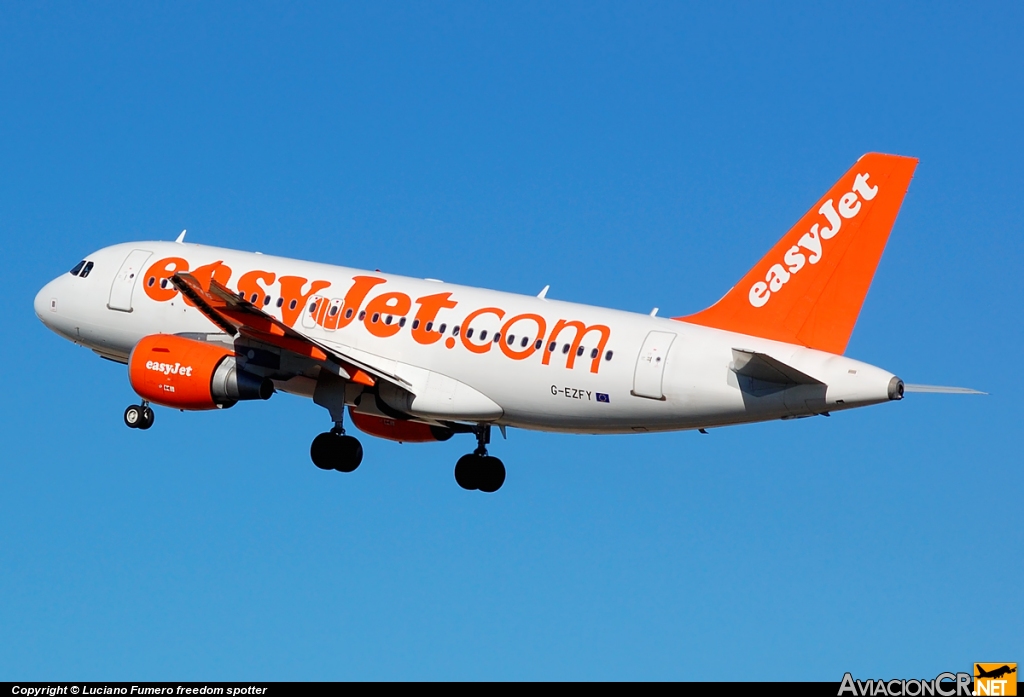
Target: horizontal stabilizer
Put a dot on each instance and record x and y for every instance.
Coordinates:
(761, 366)
(939, 389)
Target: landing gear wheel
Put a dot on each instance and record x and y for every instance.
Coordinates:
(322, 450)
(480, 472)
(491, 474)
(133, 416)
(147, 419)
(350, 454)
(334, 451)
(466, 471)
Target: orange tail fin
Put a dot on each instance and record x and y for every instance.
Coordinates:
(809, 288)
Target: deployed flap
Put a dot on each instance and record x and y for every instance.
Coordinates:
(236, 315)
(761, 366)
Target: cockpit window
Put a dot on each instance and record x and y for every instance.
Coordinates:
(86, 270)
(78, 267)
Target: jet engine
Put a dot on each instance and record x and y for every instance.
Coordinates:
(398, 430)
(186, 374)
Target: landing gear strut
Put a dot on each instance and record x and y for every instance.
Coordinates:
(478, 470)
(336, 451)
(138, 416)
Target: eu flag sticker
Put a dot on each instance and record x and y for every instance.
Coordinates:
(602, 397)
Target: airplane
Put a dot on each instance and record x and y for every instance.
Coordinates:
(420, 360)
(995, 673)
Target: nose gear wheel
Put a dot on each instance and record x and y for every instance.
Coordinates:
(138, 416)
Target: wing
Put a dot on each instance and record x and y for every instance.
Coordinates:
(237, 316)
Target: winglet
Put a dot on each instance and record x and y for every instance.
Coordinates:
(809, 288)
(181, 237)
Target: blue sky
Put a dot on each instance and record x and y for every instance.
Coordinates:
(630, 156)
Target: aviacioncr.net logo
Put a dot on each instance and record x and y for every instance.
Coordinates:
(995, 679)
(943, 685)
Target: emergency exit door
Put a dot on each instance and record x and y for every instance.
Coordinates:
(650, 365)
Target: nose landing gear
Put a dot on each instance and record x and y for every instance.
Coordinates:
(478, 470)
(139, 416)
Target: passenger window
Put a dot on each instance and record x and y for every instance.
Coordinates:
(469, 333)
(540, 342)
(608, 356)
(442, 328)
(362, 315)
(455, 331)
(312, 308)
(387, 320)
(280, 302)
(78, 267)
(401, 322)
(348, 313)
(415, 324)
(580, 350)
(266, 301)
(510, 338)
(483, 335)
(497, 337)
(525, 341)
(593, 354)
(565, 349)
(551, 348)
(430, 325)
(151, 281)
(86, 270)
(376, 316)
(333, 311)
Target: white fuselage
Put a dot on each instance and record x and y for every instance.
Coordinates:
(682, 377)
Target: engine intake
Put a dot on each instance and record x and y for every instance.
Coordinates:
(186, 374)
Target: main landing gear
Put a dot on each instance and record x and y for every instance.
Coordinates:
(336, 451)
(138, 416)
(478, 470)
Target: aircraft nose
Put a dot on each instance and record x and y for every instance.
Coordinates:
(46, 302)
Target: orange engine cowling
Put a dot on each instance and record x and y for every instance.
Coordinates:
(186, 374)
(395, 429)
